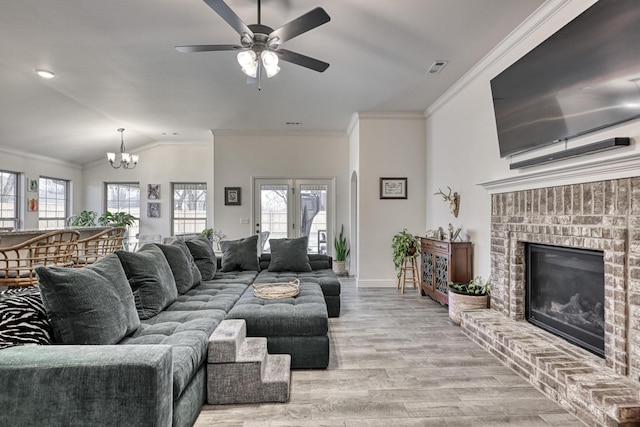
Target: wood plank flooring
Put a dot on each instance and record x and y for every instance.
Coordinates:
(397, 360)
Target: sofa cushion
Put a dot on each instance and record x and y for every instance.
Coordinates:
(179, 264)
(241, 254)
(195, 271)
(303, 315)
(90, 305)
(289, 254)
(189, 341)
(150, 278)
(317, 261)
(203, 256)
(23, 319)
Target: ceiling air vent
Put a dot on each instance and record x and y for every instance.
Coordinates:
(436, 67)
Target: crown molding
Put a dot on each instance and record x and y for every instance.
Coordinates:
(529, 26)
(14, 152)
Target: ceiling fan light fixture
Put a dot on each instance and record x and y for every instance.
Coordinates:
(270, 63)
(249, 62)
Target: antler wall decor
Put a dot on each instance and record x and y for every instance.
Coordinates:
(453, 200)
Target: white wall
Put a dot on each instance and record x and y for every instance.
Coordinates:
(33, 167)
(462, 144)
(160, 163)
(242, 156)
(389, 145)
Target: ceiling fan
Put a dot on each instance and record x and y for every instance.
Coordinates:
(260, 45)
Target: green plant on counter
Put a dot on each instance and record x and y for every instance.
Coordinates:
(83, 219)
(118, 219)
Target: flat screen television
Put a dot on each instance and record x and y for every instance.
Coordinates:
(583, 78)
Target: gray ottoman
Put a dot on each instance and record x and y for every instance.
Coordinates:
(297, 326)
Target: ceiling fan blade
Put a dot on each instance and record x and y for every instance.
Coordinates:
(207, 48)
(225, 12)
(302, 60)
(301, 24)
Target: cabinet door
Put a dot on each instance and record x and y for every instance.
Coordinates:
(441, 273)
(427, 271)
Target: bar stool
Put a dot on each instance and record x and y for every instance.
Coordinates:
(411, 266)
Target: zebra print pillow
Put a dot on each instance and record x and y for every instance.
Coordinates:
(23, 319)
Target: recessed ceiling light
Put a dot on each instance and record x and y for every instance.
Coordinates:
(46, 74)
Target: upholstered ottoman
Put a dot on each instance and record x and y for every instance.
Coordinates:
(297, 326)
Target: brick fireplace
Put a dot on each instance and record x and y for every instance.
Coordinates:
(603, 216)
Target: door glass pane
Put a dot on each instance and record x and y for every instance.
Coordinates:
(313, 216)
(273, 212)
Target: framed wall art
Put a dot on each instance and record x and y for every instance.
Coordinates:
(232, 196)
(153, 210)
(153, 191)
(32, 185)
(393, 188)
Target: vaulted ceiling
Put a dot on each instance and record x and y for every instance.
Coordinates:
(116, 66)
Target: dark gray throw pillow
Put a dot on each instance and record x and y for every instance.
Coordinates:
(179, 264)
(195, 271)
(240, 255)
(89, 305)
(203, 256)
(151, 280)
(289, 255)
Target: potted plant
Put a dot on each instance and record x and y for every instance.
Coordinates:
(468, 296)
(404, 245)
(83, 219)
(341, 252)
(118, 219)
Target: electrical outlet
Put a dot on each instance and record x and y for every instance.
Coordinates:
(244, 220)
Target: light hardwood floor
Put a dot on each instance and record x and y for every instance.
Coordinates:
(397, 360)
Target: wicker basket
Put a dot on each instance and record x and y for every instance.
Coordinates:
(277, 290)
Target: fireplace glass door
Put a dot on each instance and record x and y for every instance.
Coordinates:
(565, 294)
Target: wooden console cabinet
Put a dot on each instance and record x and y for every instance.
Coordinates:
(442, 262)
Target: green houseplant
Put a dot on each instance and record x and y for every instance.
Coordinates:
(468, 296)
(118, 219)
(404, 245)
(341, 252)
(83, 219)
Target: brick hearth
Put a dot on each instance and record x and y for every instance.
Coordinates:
(605, 216)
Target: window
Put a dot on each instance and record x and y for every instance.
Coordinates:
(53, 203)
(189, 214)
(8, 200)
(125, 197)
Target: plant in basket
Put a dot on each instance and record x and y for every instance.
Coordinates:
(468, 296)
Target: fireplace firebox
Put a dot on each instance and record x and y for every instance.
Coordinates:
(565, 294)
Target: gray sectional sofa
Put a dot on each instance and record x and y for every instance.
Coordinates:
(136, 328)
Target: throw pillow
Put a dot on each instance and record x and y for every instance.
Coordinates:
(289, 255)
(89, 305)
(179, 264)
(23, 319)
(203, 256)
(195, 271)
(150, 279)
(240, 254)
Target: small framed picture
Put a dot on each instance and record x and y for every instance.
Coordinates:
(153, 210)
(393, 188)
(32, 205)
(32, 185)
(153, 191)
(232, 196)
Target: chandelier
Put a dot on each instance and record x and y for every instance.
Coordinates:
(127, 161)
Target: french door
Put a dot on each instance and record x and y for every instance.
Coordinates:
(289, 208)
